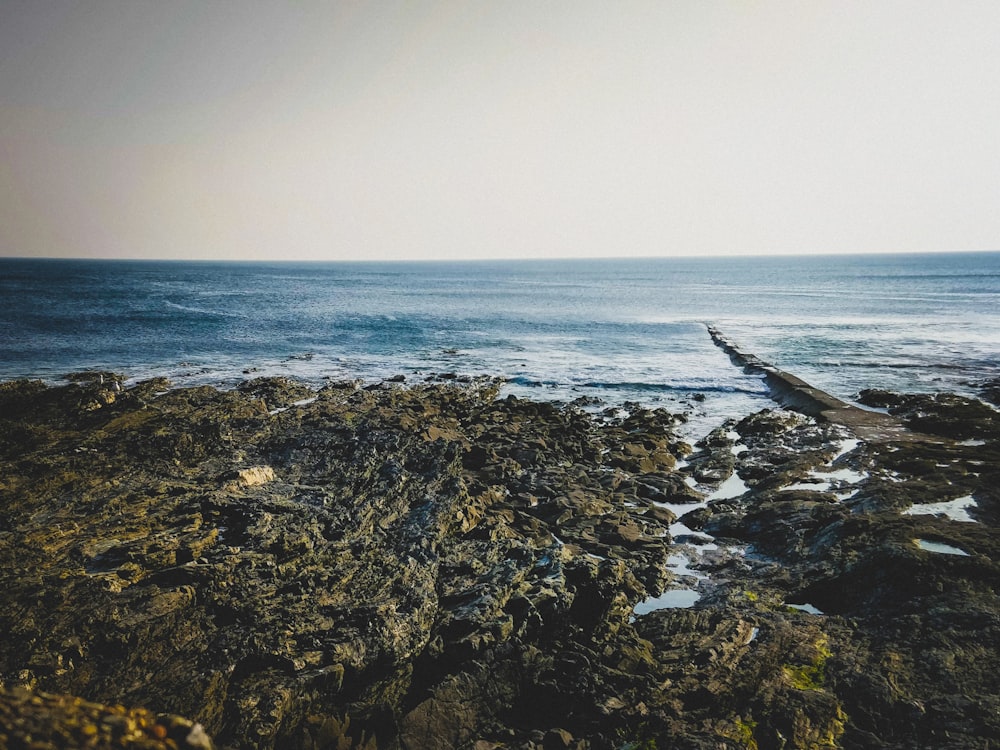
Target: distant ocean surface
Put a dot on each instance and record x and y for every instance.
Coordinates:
(616, 329)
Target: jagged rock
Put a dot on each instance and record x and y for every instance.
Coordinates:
(946, 414)
(434, 566)
(41, 720)
(557, 739)
(251, 477)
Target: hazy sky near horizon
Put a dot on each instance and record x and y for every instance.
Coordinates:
(398, 130)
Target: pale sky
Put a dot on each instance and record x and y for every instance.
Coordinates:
(473, 129)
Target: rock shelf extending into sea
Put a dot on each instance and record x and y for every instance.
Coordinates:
(794, 393)
(431, 565)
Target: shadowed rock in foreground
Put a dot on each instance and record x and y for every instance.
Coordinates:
(39, 720)
(436, 567)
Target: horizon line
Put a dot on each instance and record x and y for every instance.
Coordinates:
(496, 259)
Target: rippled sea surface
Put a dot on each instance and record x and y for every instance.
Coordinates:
(616, 329)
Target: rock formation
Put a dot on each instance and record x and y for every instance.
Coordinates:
(435, 566)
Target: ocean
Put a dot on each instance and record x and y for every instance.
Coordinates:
(616, 330)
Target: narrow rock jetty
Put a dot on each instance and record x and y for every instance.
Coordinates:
(796, 394)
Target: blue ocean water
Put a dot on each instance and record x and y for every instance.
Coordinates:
(616, 329)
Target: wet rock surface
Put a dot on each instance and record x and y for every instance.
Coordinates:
(434, 566)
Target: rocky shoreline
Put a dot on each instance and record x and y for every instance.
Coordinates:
(434, 566)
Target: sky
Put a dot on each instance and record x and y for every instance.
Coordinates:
(350, 130)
